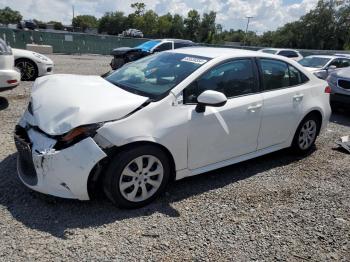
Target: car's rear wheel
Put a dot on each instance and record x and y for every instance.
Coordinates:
(136, 176)
(306, 134)
(29, 70)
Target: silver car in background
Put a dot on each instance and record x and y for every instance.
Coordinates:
(339, 81)
(322, 65)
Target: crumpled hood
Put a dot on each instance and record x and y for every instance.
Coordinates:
(63, 102)
(124, 50)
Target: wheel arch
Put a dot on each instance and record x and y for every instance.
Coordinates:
(316, 112)
(97, 174)
(30, 60)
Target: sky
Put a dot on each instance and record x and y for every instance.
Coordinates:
(268, 14)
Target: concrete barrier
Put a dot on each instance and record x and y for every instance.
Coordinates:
(42, 49)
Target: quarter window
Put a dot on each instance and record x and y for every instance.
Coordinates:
(233, 79)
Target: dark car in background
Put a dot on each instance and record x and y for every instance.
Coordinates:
(123, 55)
(339, 81)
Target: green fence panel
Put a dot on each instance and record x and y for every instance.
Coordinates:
(71, 43)
(68, 42)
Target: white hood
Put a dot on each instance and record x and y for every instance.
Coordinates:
(63, 102)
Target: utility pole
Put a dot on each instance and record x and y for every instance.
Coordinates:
(73, 17)
(246, 30)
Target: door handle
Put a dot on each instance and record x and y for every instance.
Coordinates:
(298, 97)
(254, 108)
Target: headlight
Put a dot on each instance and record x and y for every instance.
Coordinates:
(41, 57)
(80, 132)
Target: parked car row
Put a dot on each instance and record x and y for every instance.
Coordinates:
(171, 115)
(19, 64)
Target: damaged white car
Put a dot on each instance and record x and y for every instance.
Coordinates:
(167, 116)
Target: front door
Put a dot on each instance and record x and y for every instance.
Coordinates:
(222, 133)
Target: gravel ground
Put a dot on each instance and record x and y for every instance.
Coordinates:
(276, 207)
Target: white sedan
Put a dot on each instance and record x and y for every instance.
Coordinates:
(9, 76)
(290, 53)
(167, 116)
(32, 64)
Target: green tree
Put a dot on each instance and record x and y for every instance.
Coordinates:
(149, 24)
(192, 24)
(177, 29)
(165, 25)
(9, 16)
(112, 23)
(139, 8)
(85, 21)
(40, 24)
(57, 25)
(208, 27)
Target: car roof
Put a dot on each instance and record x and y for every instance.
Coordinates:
(324, 56)
(214, 52)
(175, 40)
(279, 49)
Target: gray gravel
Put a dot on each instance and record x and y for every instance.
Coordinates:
(276, 207)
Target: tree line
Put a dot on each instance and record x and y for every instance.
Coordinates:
(327, 26)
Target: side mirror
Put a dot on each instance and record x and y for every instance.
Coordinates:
(332, 67)
(210, 98)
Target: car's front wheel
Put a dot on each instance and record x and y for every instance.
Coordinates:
(117, 63)
(136, 176)
(29, 70)
(306, 134)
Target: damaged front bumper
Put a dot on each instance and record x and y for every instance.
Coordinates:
(62, 173)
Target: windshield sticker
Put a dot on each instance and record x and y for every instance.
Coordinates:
(194, 60)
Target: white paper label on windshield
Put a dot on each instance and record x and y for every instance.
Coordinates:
(194, 60)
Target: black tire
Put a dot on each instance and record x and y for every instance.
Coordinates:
(28, 68)
(111, 183)
(297, 147)
(117, 63)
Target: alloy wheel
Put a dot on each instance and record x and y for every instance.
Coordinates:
(307, 134)
(141, 178)
(27, 70)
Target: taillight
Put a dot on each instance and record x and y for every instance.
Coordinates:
(328, 90)
(12, 81)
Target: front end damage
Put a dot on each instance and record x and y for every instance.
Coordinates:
(58, 172)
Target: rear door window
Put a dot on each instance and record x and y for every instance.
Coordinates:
(278, 74)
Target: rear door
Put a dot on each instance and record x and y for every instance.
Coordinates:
(283, 95)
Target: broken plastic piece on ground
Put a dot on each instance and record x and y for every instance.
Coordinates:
(344, 142)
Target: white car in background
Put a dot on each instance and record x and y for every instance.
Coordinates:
(290, 53)
(9, 76)
(32, 64)
(322, 65)
(167, 116)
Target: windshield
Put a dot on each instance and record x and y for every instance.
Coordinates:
(155, 75)
(146, 46)
(317, 62)
(269, 51)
